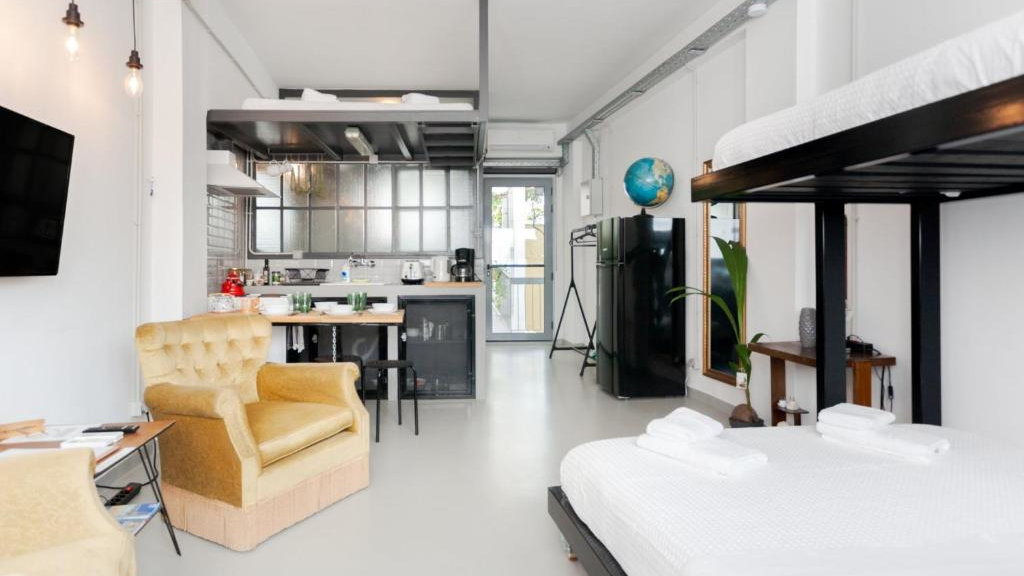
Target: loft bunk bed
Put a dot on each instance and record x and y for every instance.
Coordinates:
(862, 144)
(440, 128)
(963, 147)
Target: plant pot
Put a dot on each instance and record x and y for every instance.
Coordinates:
(735, 423)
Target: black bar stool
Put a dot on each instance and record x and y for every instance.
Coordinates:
(382, 366)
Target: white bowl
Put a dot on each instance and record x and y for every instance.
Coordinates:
(340, 310)
(275, 310)
(385, 307)
(324, 306)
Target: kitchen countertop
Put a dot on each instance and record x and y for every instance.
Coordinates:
(366, 287)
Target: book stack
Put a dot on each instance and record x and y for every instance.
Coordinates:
(101, 444)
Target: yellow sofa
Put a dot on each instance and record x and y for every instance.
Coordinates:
(256, 447)
(52, 521)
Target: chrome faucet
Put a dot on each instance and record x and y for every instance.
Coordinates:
(363, 262)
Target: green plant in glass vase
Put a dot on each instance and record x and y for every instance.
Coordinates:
(734, 255)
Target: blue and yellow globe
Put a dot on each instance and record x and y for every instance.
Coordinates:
(648, 181)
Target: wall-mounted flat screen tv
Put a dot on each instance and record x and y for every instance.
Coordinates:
(35, 166)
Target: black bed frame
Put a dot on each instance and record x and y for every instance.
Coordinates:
(964, 147)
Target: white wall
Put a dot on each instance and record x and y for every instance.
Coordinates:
(66, 349)
(751, 73)
(194, 73)
(800, 49)
(977, 321)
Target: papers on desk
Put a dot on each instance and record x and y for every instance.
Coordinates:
(10, 452)
(51, 434)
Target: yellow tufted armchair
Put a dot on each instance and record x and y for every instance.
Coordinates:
(257, 447)
(52, 522)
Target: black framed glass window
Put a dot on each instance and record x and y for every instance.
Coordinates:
(336, 209)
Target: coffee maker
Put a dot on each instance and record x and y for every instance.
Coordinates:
(462, 271)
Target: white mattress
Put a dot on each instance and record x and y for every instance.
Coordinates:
(979, 58)
(816, 508)
(341, 106)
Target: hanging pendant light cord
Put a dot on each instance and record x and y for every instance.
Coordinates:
(135, 44)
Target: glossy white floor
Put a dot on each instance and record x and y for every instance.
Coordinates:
(465, 497)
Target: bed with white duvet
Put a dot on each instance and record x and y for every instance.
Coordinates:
(817, 508)
(982, 57)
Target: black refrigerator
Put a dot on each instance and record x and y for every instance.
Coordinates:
(641, 337)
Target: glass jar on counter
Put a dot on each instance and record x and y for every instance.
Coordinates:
(220, 302)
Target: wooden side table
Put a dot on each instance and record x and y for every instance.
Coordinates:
(782, 352)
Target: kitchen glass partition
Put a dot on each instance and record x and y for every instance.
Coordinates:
(518, 257)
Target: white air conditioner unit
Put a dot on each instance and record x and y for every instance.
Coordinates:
(222, 178)
(522, 142)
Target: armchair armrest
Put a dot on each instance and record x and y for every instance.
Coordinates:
(201, 401)
(49, 499)
(322, 383)
(211, 449)
(308, 382)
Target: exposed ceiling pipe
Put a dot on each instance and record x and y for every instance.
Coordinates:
(697, 47)
(595, 153)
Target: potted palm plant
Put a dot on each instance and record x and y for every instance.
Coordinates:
(734, 255)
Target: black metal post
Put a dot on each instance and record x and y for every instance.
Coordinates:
(925, 328)
(830, 281)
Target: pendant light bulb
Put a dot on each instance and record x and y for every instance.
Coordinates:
(73, 20)
(133, 83)
(133, 80)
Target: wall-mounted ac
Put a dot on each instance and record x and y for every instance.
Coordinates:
(522, 142)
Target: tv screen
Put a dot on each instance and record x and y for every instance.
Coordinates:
(35, 165)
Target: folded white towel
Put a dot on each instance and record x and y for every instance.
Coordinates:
(298, 339)
(418, 98)
(856, 417)
(694, 418)
(681, 429)
(712, 455)
(903, 441)
(310, 95)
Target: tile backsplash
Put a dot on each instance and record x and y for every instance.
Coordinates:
(385, 269)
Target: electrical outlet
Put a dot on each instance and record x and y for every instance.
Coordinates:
(691, 364)
(135, 409)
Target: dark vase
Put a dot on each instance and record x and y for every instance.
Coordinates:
(808, 328)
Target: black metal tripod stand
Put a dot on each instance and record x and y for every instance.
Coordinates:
(578, 238)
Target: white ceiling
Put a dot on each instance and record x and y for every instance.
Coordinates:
(549, 58)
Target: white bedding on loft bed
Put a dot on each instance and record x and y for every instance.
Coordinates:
(343, 106)
(984, 56)
(816, 508)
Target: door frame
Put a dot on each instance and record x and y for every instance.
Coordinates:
(536, 181)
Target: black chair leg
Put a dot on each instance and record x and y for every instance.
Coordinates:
(378, 405)
(415, 402)
(401, 386)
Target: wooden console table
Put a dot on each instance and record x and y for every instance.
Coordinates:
(782, 352)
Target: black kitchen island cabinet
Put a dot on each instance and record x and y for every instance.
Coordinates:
(439, 337)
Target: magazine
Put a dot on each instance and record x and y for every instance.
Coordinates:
(133, 517)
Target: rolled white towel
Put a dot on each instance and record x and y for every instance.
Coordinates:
(856, 417)
(681, 429)
(692, 418)
(310, 95)
(418, 98)
(715, 455)
(905, 441)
